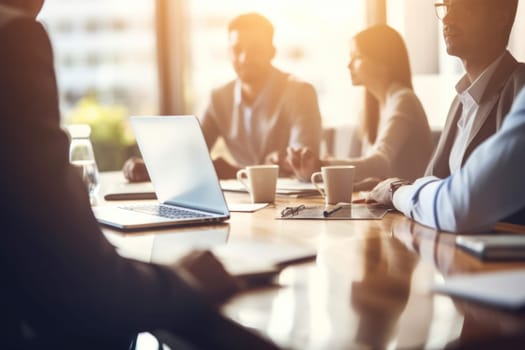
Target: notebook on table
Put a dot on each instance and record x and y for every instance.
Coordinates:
(182, 174)
(125, 191)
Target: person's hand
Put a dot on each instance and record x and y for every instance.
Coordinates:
(279, 158)
(205, 273)
(381, 193)
(135, 170)
(303, 162)
(224, 169)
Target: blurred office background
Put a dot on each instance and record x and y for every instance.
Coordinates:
(116, 58)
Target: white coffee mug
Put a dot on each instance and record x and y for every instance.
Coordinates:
(260, 181)
(338, 183)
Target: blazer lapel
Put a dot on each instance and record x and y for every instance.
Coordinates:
(439, 166)
(247, 137)
(481, 117)
(229, 118)
(487, 111)
(505, 69)
(268, 111)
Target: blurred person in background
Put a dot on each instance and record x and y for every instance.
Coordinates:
(396, 136)
(260, 113)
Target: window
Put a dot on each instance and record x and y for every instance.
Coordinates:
(106, 64)
(107, 48)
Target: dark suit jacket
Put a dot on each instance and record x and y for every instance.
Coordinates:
(496, 102)
(61, 278)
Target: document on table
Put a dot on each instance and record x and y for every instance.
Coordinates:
(503, 288)
(285, 186)
(334, 212)
(246, 207)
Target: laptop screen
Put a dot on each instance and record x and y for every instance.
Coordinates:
(178, 162)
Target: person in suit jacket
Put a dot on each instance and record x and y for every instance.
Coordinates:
(477, 32)
(260, 113)
(63, 284)
(487, 189)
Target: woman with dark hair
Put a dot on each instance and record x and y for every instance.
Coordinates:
(395, 132)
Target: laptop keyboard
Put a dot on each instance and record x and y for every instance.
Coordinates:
(165, 211)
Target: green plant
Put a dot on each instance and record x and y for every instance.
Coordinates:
(111, 134)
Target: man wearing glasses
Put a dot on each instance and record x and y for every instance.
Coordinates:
(477, 32)
(487, 189)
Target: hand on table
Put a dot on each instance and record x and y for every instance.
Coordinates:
(303, 162)
(381, 193)
(135, 170)
(279, 158)
(204, 272)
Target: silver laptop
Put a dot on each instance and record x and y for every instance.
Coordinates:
(182, 173)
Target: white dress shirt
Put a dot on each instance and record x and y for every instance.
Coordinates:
(246, 111)
(489, 188)
(470, 97)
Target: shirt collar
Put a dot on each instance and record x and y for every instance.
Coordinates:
(237, 88)
(478, 87)
(237, 93)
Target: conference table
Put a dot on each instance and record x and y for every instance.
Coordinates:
(369, 286)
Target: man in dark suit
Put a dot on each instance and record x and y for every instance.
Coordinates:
(63, 284)
(477, 32)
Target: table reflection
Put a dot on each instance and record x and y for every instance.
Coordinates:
(369, 287)
(479, 322)
(355, 295)
(382, 295)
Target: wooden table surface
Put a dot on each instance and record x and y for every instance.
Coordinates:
(369, 286)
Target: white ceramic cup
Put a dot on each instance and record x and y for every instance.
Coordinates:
(338, 183)
(260, 181)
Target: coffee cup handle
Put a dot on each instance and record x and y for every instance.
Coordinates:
(242, 177)
(314, 179)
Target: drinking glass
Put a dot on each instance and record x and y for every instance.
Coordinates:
(81, 155)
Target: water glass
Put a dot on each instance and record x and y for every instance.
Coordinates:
(81, 155)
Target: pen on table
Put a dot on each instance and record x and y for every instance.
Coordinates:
(327, 213)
